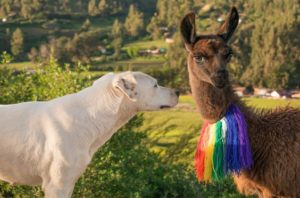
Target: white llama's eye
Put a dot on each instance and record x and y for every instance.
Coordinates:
(156, 85)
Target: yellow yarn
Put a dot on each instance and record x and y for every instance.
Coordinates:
(209, 153)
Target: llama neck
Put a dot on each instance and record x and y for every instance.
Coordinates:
(212, 102)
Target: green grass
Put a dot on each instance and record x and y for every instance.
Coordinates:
(265, 103)
(139, 63)
(147, 44)
(96, 22)
(188, 99)
(135, 63)
(173, 133)
(271, 103)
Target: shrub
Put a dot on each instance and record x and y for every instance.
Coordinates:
(124, 167)
(41, 84)
(132, 52)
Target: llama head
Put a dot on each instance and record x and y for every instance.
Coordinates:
(209, 54)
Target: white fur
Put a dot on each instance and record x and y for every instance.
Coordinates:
(51, 143)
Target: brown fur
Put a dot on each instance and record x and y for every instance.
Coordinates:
(274, 135)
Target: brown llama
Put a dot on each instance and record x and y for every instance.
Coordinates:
(274, 135)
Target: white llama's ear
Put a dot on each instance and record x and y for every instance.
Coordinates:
(188, 30)
(228, 27)
(126, 83)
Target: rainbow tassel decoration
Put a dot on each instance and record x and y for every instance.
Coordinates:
(223, 147)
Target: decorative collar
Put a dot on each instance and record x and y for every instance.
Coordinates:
(223, 147)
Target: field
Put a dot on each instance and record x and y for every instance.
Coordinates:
(174, 133)
(139, 63)
(147, 44)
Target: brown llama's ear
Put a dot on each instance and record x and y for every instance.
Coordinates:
(230, 24)
(188, 29)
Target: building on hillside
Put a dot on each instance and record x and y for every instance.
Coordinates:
(102, 49)
(243, 91)
(280, 94)
(239, 91)
(295, 94)
(275, 94)
(261, 92)
(169, 40)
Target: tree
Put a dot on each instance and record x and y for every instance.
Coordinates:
(273, 40)
(93, 8)
(26, 9)
(84, 45)
(176, 62)
(134, 23)
(161, 7)
(17, 42)
(102, 6)
(117, 35)
(170, 12)
(33, 55)
(3, 13)
(153, 27)
(29, 8)
(44, 52)
(86, 25)
(58, 49)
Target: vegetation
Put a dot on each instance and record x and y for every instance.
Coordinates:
(71, 42)
(266, 44)
(17, 42)
(123, 167)
(117, 34)
(266, 52)
(174, 133)
(271, 64)
(134, 23)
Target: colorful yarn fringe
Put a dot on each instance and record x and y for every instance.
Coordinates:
(223, 147)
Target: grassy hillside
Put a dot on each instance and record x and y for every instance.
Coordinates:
(147, 44)
(174, 132)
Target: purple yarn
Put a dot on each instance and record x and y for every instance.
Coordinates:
(237, 151)
(245, 156)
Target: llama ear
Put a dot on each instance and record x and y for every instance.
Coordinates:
(126, 83)
(230, 24)
(188, 30)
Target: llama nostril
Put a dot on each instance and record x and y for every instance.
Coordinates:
(222, 73)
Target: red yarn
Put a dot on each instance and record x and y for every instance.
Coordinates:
(200, 154)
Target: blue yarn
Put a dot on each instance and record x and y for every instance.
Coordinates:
(232, 143)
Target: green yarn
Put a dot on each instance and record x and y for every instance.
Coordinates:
(218, 155)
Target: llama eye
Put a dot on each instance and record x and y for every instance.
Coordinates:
(156, 85)
(199, 59)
